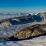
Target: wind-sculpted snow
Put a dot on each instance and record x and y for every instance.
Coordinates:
(7, 31)
(12, 25)
(12, 28)
(38, 41)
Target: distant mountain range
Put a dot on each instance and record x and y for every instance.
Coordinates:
(9, 26)
(28, 18)
(13, 14)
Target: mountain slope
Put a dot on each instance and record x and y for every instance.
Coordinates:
(22, 20)
(29, 32)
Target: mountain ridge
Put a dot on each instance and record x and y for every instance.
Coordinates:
(28, 33)
(24, 19)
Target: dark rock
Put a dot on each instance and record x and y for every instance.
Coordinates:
(29, 32)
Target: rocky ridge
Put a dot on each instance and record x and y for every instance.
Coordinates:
(29, 32)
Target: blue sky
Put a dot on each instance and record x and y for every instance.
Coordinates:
(13, 6)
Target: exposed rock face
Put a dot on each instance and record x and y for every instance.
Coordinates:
(44, 15)
(22, 20)
(3, 39)
(5, 23)
(31, 31)
(25, 33)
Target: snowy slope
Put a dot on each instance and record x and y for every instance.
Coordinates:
(8, 28)
(8, 31)
(39, 41)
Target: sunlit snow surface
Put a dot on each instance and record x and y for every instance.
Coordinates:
(7, 31)
(39, 41)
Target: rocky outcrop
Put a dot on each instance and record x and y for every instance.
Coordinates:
(25, 19)
(44, 16)
(29, 32)
(26, 33)
(6, 23)
(3, 39)
(22, 20)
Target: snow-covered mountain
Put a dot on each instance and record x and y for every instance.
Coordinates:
(22, 19)
(12, 25)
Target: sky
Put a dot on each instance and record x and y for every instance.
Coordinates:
(19, 6)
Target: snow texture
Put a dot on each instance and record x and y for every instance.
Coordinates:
(8, 31)
(38, 41)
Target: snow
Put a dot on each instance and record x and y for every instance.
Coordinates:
(8, 31)
(38, 41)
